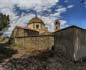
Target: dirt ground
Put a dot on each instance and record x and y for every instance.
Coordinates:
(46, 61)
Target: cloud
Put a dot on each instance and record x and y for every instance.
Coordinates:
(70, 6)
(6, 3)
(63, 23)
(58, 12)
(38, 5)
(8, 6)
(65, 1)
(61, 9)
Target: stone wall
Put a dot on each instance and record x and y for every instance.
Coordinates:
(65, 42)
(81, 35)
(22, 31)
(71, 42)
(33, 43)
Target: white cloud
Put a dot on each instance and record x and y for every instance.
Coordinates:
(7, 7)
(58, 12)
(63, 24)
(38, 5)
(70, 6)
(65, 1)
(49, 21)
(6, 3)
(63, 9)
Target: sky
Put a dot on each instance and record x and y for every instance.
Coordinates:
(68, 12)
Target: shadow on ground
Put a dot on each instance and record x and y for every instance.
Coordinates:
(5, 52)
(45, 61)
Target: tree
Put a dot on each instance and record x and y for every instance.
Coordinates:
(4, 22)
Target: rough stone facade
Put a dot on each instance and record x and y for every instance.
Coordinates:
(71, 42)
(35, 36)
(64, 42)
(35, 43)
(21, 32)
(81, 43)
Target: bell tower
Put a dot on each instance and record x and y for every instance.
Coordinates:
(56, 25)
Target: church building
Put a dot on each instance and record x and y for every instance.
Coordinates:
(37, 24)
(35, 37)
(34, 27)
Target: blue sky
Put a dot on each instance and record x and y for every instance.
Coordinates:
(76, 15)
(69, 12)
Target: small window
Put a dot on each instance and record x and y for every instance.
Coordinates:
(37, 26)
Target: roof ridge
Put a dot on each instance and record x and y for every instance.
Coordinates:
(73, 26)
(24, 28)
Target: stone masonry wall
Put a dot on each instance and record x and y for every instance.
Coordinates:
(71, 42)
(81, 53)
(33, 43)
(64, 42)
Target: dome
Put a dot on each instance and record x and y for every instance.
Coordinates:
(36, 20)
